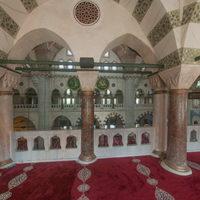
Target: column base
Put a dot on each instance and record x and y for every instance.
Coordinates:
(159, 154)
(183, 172)
(87, 159)
(7, 164)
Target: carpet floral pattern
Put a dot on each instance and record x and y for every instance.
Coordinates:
(138, 178)
(159, 193)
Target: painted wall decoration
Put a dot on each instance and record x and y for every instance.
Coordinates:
(73, 83)
(102, 83)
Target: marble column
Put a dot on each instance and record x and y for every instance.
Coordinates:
(87, 131)
(160, 115)
(88, 80)
(160, 104)
(6, 127)
(176, 160)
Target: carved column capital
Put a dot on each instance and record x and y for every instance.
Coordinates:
(88, 79)
(157, 83)
(9, 81)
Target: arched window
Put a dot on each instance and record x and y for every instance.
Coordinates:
(97, 124)
(193, 136)
(97, 97)
(145, 138)
(31, 96)
(148, 99)
(71, 142)
(69, 53)
(55, 143)
(23, 124)
(61, 66)
(16, 97)
(114, 121)
(78, 97)
(145, 119)
(70, 66)
(118, 99)
(117, 140)
(38, 143)
(103, 141)
(107, 98)
(132, 139)
(22, 144)
(56, 97)
(139, 96)
(68, 98)
(61, 123)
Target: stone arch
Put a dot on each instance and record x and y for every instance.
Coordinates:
(144, 119)
(136, 44)
(61, 122)
(32, 39)
(114, 119)
(97, 122)
(23, 124)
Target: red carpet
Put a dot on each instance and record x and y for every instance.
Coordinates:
(111, 179)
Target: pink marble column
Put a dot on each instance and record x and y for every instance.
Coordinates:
(176, 160)
(6, 127)
(87, 131)
(160, 101)
(88, 81)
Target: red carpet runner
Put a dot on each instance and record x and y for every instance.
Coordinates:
(106, 179)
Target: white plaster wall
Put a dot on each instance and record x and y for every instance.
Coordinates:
(73, 154)
(59, 19)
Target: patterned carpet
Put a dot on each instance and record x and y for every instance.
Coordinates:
(138, 178)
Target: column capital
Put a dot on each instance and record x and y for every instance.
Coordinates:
(157, 83)
(88, 79)
(9, 81)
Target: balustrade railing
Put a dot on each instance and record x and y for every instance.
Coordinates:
(22, 106)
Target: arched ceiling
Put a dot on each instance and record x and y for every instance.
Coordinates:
(172, 26)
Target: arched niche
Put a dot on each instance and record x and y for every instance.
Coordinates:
(21, 123)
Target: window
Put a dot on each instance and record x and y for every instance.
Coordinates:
(106, 68)
(38, 143)
(198, 84)
(69, 53)
(70, 66)
(71, 142)
(103, 141)
(107, 54)
(68, 98)
(22, 144)
(61, 66)
(61, 123)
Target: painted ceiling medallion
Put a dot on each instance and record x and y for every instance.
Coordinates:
(102, 83)
(73, 83)
(86, 12)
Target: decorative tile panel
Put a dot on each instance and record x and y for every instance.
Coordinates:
(141, 9)
(171, 60)
(3, 55)
(164, 26)
(7, 23)
(30, 5)
(181, 56)
(171, 20)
